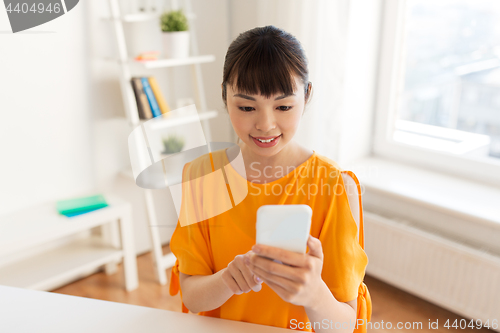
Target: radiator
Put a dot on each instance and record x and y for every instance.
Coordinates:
(454, 276)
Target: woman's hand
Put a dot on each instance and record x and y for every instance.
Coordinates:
(239, 278)
(296, 283)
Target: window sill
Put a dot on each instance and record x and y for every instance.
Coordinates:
(442, 139)
(462, 209)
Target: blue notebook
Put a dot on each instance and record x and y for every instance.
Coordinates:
(155, 109)
(80, 212)
(77, 206)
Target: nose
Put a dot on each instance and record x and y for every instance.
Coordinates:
(266, 121)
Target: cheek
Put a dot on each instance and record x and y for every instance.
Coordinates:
(291, 122)
(239, 123)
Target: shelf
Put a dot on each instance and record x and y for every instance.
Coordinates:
(131, 18)
(170, 122)
(142, 17)
(42, 223)
(162, 63)
(51, 269)
(176, 121)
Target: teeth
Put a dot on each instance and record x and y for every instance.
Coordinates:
(266, 140)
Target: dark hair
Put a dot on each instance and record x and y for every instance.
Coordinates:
(264, 61)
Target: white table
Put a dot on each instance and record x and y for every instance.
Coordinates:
(24, 310)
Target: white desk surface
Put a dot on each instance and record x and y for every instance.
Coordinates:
(23, 310)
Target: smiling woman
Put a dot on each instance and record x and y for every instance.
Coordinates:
(265, 89)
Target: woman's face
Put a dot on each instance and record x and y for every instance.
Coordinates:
(254, 116)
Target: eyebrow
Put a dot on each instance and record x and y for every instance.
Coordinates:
(253, 99)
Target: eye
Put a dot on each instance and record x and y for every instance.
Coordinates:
(287, 108)
(245, 108)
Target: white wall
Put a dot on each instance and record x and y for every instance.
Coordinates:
(63, 130)
(45, 116)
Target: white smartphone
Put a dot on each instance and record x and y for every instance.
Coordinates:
(284, 226)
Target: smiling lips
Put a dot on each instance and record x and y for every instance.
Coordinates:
(265, 137)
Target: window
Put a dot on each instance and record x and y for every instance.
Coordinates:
(439, 91)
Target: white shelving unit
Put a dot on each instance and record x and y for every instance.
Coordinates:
(161, 262)
(24, 264)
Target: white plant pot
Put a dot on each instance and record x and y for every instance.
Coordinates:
(176, 44)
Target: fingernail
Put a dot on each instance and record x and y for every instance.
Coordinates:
(247, 261)
(255, 249)
(258, 279)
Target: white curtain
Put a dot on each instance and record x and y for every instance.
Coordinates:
(321, 27)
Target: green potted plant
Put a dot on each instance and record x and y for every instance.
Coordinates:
(173, 144)
(175, 28)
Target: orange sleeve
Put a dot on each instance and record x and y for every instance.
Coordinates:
(191, 246)
(344, 260)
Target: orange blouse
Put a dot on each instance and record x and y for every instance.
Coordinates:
(205, 247)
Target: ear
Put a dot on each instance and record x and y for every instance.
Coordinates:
(309, 88)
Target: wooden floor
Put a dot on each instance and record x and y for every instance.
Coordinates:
(390, 305)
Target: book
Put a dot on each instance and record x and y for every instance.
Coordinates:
(71, 207)
(151, 97)
(81, 212)
(137, 92)
(141, 99)
(162, 103)
(147, 56)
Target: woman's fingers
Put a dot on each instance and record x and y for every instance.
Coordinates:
(258, 285)
(238, 277)
(243, 275)
(230, 282)
(249, 277)
(285, 283)
(280, 269)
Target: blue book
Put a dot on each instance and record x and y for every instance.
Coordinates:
(155, 109)
(75, 205)
(80, 212)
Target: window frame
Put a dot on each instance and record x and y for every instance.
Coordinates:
(391, 73)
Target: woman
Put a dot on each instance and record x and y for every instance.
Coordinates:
(265, 89)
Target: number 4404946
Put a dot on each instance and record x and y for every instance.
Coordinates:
(35, 8)
(462, 323)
